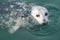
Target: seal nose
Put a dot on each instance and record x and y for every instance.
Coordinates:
(45, 22)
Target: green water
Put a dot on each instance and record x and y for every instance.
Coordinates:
(50, 31)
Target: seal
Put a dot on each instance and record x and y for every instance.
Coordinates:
(17, 14)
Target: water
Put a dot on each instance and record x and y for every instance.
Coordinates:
(51, 31)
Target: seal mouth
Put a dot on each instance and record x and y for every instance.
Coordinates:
(45, 23)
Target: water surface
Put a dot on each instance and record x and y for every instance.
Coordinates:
(51, 31)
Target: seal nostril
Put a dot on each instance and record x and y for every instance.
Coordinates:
(44, 20)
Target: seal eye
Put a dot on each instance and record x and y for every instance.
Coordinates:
(37, 15)
(46, 14)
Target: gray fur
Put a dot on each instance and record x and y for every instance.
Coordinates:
(8, 16)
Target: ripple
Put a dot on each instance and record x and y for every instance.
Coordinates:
(52, 27)
(42, 30)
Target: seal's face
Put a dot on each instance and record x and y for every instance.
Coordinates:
(40, 14)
